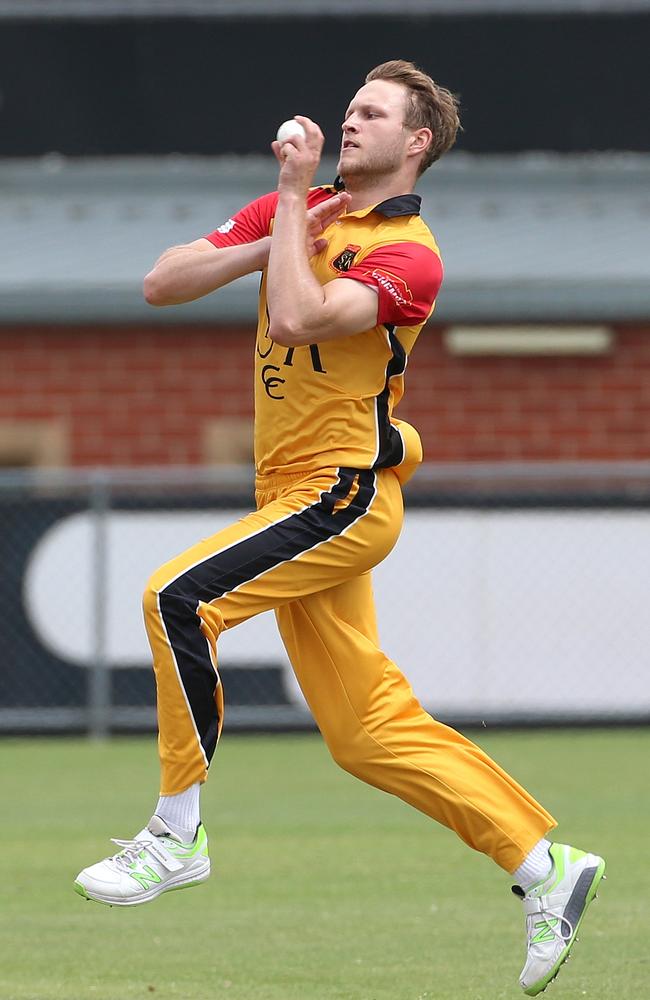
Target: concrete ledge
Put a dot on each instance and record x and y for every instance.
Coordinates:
(535, 237)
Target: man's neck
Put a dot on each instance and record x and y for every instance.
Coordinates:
(364, 192)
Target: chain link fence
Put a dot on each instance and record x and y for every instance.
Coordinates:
(516, 594)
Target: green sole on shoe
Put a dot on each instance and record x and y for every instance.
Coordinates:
(80, 889)
(541, 984)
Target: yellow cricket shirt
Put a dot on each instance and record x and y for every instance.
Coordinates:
(331, 404)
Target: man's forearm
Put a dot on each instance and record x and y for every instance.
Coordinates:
(295, 296)
(183, 274)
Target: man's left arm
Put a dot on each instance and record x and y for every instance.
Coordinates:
(301, 310)
(394, 284)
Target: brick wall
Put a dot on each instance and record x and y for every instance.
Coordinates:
(492, 409)
(129, 396)
(138, 396)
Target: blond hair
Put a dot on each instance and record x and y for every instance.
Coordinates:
(428, 105)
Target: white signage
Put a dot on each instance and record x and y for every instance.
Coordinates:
(486, 612)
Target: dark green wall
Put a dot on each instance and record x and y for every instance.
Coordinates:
(213, 86)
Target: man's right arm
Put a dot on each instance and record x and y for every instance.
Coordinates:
(188, 272)
(238, 247)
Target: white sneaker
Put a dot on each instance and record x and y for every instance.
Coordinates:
(155, 861)
(554, 910)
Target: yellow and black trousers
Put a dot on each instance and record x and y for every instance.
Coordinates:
(307, 553)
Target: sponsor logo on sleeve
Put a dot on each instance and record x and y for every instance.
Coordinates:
(395, 286)
(227, 226)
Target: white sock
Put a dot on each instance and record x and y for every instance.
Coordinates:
(535, 866)
(181, 812)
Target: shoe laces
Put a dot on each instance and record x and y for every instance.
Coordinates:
(131, 851)
(533, 920)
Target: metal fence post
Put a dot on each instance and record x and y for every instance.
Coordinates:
(99, 695)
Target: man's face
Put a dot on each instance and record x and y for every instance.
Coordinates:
(374, 138)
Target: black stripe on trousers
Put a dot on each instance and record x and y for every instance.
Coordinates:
(238, 564)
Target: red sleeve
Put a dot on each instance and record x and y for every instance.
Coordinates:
(248, 224)
(407, 277)
(254, 221)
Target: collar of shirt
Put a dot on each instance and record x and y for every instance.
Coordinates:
(402, 204)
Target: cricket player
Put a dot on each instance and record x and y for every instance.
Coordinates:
(350, 275)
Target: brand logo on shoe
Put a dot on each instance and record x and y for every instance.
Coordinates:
(147, 877)
(546, 932)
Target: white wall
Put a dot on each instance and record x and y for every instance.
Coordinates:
(488, 613)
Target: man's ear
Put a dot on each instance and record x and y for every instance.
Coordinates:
(420, 141)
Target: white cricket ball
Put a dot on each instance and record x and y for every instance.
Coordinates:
(287, 129)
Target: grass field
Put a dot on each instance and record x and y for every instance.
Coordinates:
(321, 887)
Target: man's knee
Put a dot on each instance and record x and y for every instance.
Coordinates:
(350, 747)
(165, 599)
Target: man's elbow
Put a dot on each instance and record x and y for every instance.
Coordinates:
(154, 290)
(288, 334)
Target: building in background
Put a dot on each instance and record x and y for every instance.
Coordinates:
(539, 348)
(127, 127)
(555, 238)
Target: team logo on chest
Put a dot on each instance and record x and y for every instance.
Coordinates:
(345, 260)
